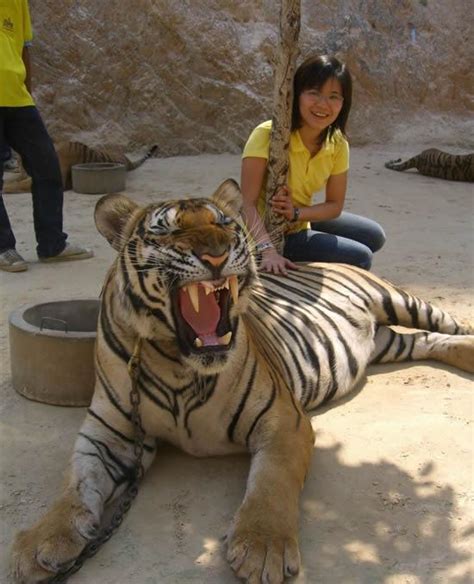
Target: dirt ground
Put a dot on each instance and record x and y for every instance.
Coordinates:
(389, 495)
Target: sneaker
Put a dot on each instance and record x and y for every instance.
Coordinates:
(11, 261)
(70, 252)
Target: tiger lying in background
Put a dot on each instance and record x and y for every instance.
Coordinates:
(70, 153)
(438, 164)
(230, 360)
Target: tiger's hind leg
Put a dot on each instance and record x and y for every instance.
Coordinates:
(395, 347)
(393, 306)
(101, 467)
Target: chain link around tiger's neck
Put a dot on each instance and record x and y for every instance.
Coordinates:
(125, 501)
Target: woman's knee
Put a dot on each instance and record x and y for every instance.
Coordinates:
(365, 261)
(377, 237)
(360, 256)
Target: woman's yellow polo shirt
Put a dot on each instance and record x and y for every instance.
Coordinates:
(15, 32)
(307, 175)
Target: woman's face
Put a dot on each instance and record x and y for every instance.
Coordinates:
(319, 108)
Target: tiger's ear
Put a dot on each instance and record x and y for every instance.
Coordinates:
(228, 197)
(112, 215)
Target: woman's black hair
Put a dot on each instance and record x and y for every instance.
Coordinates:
(313, 74)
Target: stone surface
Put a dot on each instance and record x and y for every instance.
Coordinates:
(197, 76)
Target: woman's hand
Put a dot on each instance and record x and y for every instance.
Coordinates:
(274, 263)
(282, 204)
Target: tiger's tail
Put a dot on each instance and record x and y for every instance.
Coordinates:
(133, 164)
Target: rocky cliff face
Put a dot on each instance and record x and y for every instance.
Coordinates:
(197, 76)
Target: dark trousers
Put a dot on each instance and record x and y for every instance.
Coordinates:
(22, 129)
(349, 239)
(5, 153)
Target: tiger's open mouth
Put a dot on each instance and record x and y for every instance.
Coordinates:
(201, 312)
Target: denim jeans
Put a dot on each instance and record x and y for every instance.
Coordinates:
(349, 239)
(22, 128)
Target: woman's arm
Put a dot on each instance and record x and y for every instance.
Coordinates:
(251, 183)
(331, 208)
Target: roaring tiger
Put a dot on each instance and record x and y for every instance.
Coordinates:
(71, 153)
(438, 164)
(228, 359)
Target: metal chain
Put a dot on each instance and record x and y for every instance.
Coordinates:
(126, 499)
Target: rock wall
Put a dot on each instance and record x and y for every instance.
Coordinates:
(197, 76)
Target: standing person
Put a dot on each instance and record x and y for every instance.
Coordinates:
(22, 128)
(318, 158)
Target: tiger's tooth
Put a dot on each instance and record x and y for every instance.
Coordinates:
(226, 283)
(225, 340)
(208, 287)
(234, 288)
(197, 342)
(194, 296)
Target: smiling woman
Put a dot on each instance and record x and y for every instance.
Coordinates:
(318, 159)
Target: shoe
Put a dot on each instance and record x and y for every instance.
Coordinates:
(69, 253)
(11, 261)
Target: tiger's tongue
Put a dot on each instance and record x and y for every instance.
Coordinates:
(205, 321)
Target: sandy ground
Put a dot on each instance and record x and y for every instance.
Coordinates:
(388, 498)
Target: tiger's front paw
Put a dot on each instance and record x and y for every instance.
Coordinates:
(263, 558)
(53, 544)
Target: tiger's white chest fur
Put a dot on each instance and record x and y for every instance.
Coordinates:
(201, 431)
(200, 414)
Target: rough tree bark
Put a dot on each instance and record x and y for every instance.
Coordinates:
(285, 60)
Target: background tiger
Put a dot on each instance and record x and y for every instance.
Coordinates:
(230, 360)
(438, 164)
(70, 153)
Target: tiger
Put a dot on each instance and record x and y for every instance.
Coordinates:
(438, 164)
(231, 359)
(71, 153)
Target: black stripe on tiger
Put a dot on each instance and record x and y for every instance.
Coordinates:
(108, 330)
(199, 400)
(115, 431)
(235, 418)
(309, 298)
(354, 289)
(260, 414)
(110, 460)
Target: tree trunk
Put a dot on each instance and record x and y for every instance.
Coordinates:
(281, 120)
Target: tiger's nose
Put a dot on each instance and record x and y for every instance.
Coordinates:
(215, 261)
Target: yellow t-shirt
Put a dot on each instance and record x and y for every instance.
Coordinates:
(15, 31)
(307, 175)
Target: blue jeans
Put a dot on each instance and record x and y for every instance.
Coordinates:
(349, 239)
(22, 128)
